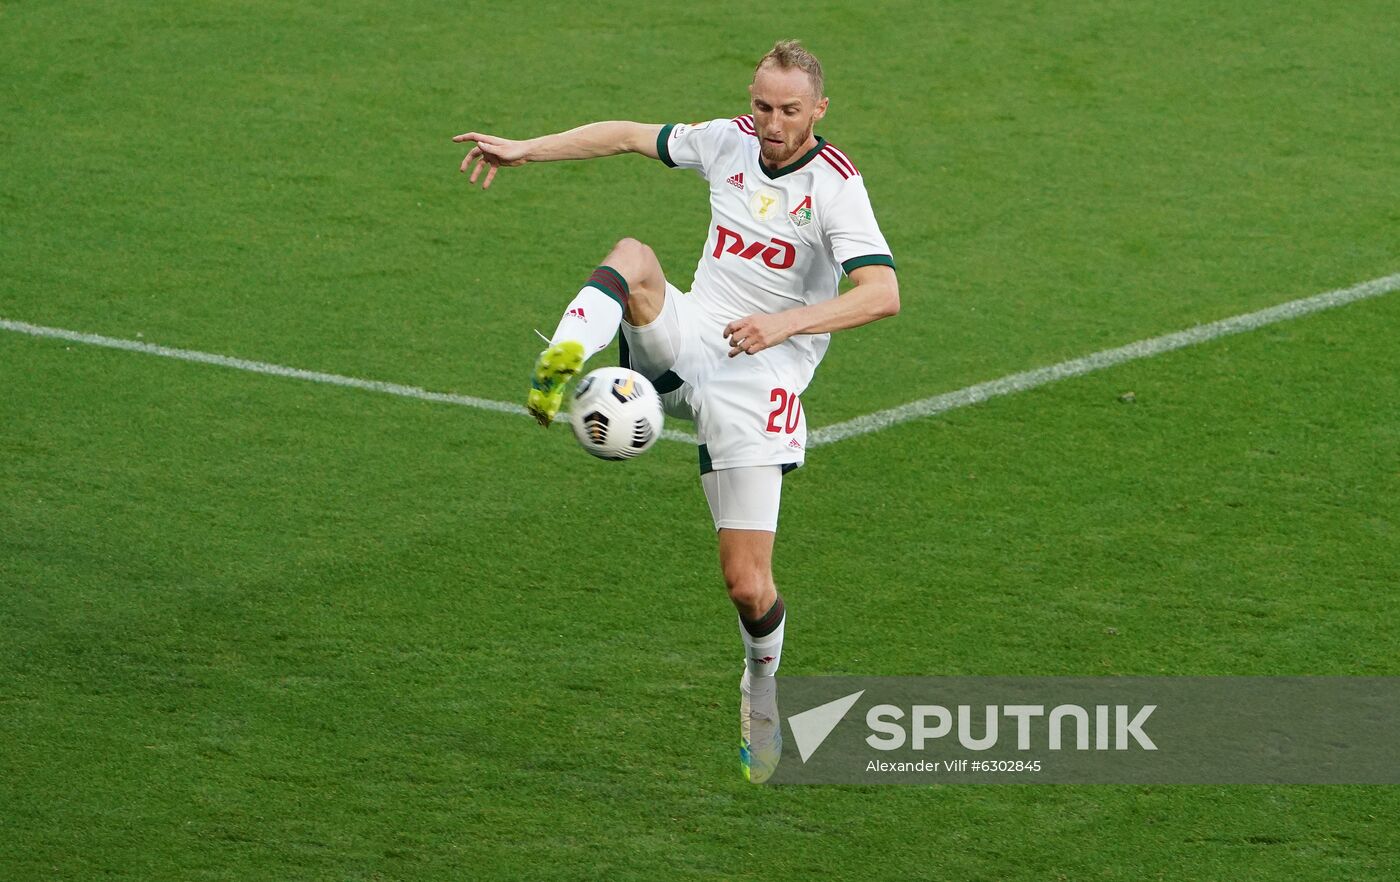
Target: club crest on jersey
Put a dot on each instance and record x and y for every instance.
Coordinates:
(765, 204)
(801, 216)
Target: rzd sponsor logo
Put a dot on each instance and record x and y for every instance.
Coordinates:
(775, 253)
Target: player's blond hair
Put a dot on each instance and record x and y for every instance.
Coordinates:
(789, 54)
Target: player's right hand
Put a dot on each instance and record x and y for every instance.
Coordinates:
(491, 153)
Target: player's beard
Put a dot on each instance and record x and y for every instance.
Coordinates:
(789, 148)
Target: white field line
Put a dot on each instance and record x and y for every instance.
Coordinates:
(884, 419)
(873, 422)
(277, 370)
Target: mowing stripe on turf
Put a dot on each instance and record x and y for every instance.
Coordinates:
(277, 370)
(884, 419)
(864, 425)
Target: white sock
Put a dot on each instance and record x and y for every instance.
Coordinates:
(763, 654)
(762, 691)
(592, 319)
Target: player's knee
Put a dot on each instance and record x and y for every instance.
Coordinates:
(633, 258)
(646, 285)
(748, 585)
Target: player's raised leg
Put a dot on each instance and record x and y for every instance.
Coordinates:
(628, 282)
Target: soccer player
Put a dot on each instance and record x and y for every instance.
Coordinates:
(789, 214)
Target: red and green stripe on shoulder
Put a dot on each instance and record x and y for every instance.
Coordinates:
(830, 153)
(838, 161)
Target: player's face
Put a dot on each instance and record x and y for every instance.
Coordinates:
(784, 113)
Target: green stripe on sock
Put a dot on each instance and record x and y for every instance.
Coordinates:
(621, 282)
(769, 622)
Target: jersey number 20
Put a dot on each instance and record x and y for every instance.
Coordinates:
(786, 414)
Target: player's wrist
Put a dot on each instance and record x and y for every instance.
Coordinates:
(533, 150)
(802, 320)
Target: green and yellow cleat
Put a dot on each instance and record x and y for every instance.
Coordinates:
(555, 366)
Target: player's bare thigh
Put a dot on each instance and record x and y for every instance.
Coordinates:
(646, 283)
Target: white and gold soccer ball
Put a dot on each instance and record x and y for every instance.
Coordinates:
(616, 413)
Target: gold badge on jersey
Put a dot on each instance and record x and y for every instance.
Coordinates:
(766, 204)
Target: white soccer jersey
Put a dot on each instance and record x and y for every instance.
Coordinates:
(778, 238)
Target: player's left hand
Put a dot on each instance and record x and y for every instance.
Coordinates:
(755, 333)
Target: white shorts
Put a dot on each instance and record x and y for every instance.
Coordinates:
(747, 409)
(746, 498)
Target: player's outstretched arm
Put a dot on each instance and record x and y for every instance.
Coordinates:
(875, 296)
(585, 142)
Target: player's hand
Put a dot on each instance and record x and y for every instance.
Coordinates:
(491, 153)
(755, 333)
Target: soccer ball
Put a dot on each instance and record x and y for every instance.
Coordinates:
(616, 413)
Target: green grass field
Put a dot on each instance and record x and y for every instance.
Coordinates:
(259, 628)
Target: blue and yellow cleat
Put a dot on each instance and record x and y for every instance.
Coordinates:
(760, 732)
(761, 768)
(556, 365)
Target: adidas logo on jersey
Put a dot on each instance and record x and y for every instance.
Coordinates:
(736, 180)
